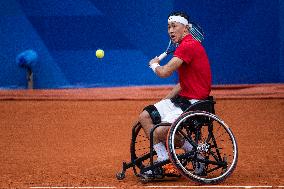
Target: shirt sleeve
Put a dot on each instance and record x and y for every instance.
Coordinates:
(185, 52)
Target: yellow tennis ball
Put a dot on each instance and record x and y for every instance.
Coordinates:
(100, 53)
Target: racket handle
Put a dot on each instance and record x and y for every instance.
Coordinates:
(162, 56)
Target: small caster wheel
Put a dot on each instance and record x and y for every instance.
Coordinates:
(120, 176)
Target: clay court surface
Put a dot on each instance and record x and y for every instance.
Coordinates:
(79, 138)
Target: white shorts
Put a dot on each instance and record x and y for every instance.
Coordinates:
(168, 111)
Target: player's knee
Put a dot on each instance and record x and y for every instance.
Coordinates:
(144, 116)
(152, 114)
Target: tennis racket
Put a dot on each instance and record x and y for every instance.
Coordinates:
(197, 33)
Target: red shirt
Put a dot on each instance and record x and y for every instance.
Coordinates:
(194, 73)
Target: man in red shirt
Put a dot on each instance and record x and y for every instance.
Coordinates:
(191, 62)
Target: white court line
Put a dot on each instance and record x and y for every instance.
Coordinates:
(106, 187)
(71, 187)
(214, 186)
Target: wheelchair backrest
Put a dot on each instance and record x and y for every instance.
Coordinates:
(203, 105)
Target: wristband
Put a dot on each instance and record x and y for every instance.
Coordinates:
(154, 66)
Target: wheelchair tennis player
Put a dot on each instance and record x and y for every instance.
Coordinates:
(192, 65)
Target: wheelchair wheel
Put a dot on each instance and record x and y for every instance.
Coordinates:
(139, 148)
(140, 152)
(214, 152)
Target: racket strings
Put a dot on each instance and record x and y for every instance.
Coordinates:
(197, 33)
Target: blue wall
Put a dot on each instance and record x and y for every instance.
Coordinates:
(244, 40)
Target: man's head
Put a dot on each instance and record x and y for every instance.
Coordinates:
(178, 26)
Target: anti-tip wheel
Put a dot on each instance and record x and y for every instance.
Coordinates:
(120, 176)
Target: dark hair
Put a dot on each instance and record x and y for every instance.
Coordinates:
(180, 13)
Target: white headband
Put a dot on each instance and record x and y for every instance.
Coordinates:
(179, 19)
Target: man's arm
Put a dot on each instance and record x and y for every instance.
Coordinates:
(173, 92)
(167, 69)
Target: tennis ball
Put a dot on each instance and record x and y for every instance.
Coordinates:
(100, 53)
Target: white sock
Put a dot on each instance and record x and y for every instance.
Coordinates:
(161, 151)
(199, 166)
(187, 147)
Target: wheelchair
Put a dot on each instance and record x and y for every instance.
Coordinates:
(213, 146)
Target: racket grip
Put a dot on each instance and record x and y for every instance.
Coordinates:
(162, 56)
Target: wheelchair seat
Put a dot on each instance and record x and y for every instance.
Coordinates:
(203, 105)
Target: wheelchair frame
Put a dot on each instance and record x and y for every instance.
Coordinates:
(205, 109)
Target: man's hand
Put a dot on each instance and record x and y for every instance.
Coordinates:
(154, 60)
(154, 63)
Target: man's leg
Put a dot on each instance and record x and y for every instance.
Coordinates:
(159, 146)
(153, 115)
(146, 122)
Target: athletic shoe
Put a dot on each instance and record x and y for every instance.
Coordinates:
(158, 173)
(171, 170)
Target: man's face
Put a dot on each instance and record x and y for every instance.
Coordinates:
(176, 31)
